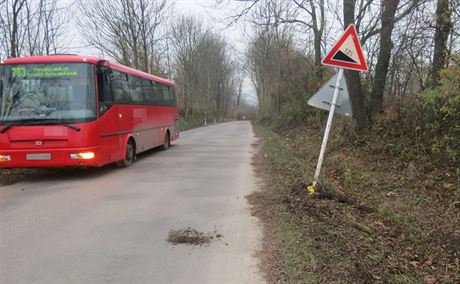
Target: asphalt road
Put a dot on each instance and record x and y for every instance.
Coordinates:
(110, 225)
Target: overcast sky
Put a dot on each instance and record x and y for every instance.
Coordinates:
(203, 9)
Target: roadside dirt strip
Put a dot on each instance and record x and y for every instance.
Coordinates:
(178, 216)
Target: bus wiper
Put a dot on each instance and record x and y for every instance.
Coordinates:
(63, 124)
(35, 122)
(5, 129)
(16, 123)
(71, 127)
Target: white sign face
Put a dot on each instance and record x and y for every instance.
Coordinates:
(323, 98)
(347, 52)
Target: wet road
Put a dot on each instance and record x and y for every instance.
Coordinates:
(110, 225)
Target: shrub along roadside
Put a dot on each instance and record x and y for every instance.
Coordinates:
(373, 219)
(441, 120)
(190, 123)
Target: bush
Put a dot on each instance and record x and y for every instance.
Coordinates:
(441, 116)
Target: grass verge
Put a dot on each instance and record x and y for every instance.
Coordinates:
(190, 123)
(374, 218)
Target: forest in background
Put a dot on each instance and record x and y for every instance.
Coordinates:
(148, 35)
(410, 93)
(412, 49)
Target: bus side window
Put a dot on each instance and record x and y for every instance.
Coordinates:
(147, 90)
(120, 87)
(172, 96)
(158, 94)
(137, 95)
(166, 95)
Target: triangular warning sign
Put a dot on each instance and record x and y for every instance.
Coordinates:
(347, 52)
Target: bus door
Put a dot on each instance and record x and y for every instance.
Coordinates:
(156, 113)
(108, 115)
(123, 120)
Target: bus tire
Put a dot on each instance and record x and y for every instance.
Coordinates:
(130, 155)
(166, 143)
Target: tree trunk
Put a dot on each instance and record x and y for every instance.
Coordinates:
(443, 28)
(318, 65)
(353, 78)
(17, 6)
(383, 61)
(318, 30)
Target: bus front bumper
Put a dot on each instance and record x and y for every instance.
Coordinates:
(38, 158)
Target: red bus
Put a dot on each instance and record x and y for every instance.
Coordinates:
(70, 110)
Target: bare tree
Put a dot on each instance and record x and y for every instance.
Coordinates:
(411, 54)
(32, 27)
(383, 61)
(205, 72)
(353, 79)
(10, 24)
(309, 15)
(369, 25)
(375, 21)
(130, 31)
(187, 35)
(281, 74)
(443, 29)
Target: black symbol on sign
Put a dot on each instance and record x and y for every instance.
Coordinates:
(343, 57)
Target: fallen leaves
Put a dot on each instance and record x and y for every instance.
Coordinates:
(428, 262)
(407, 254)
(409, 232)
(430, 279)
(448, 185)
(391, 193)
(457, 204)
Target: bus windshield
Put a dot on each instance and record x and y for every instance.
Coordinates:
(57, 92)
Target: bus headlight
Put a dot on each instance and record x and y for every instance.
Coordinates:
(5, 158)
(82, 156)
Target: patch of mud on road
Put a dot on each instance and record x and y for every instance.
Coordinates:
(191, 236)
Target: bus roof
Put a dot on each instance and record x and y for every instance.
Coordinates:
(70, 58)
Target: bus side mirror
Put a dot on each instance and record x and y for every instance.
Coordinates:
(105, 90)
(103, 108)
(106, 73)
(103, 70)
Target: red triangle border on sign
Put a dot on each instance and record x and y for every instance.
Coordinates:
(361, 66)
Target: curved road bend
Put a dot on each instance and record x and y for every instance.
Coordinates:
(110, 225)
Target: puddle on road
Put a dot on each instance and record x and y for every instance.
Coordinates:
(191, 236)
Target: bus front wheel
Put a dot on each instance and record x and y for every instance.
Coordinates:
(129, 155)
(166, 143)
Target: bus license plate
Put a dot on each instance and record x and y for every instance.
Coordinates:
(38, 157)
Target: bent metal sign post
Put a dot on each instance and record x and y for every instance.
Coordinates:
(346, 54)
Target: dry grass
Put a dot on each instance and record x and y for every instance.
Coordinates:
(375, 217)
